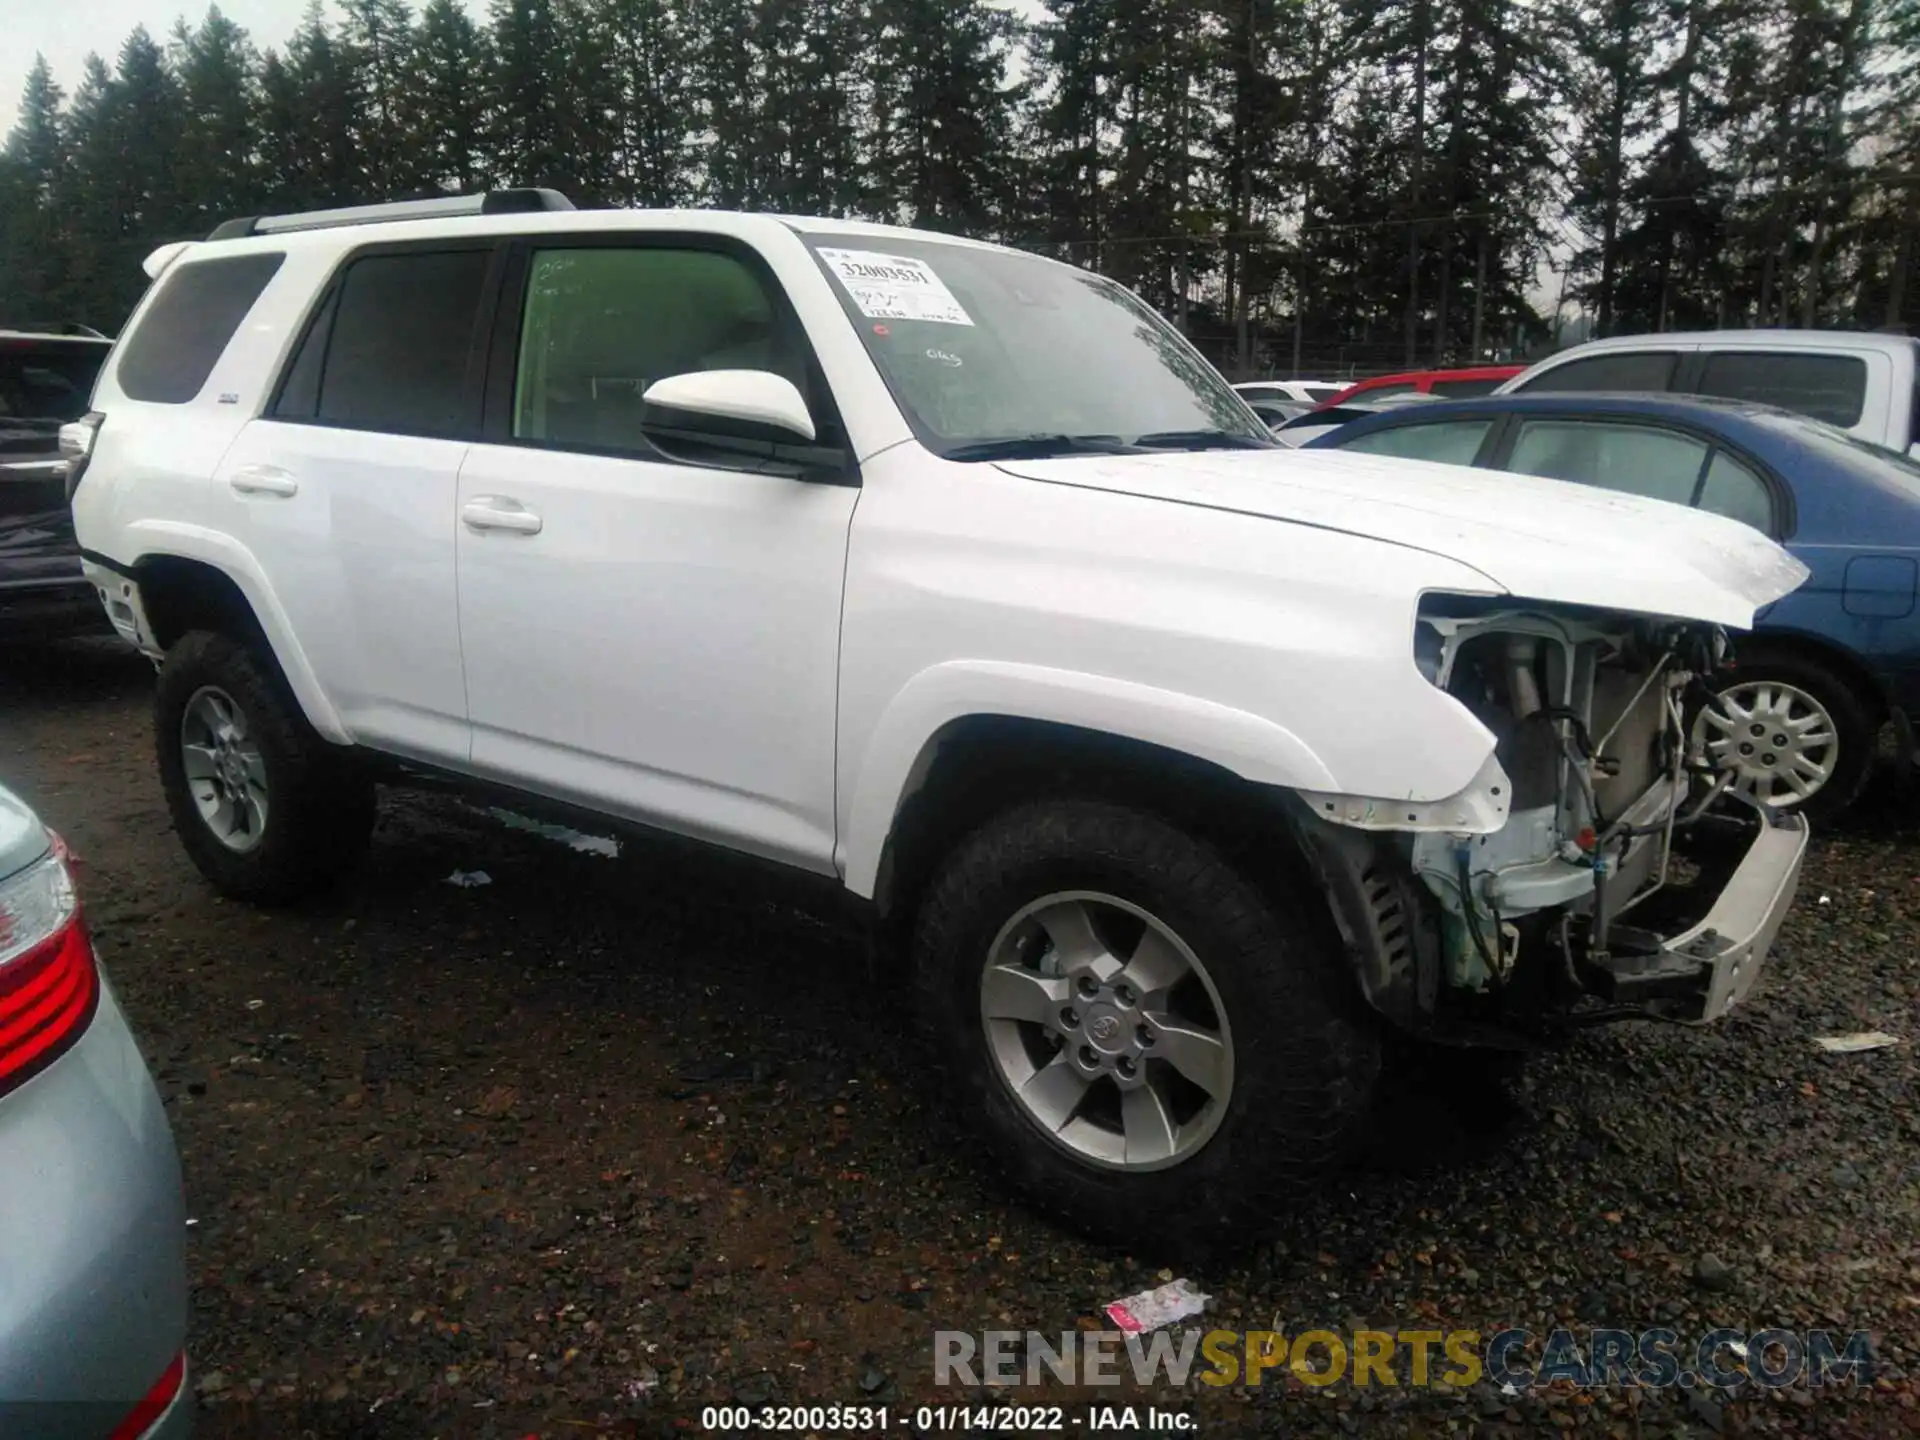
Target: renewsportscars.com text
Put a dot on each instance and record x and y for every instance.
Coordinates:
(1723, 1359)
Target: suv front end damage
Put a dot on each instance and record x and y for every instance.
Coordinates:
(1594, 870)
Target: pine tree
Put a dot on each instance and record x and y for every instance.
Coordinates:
(1611, 94)
(216, 165)
(308, 136)
(1160, 222)
(445, 121)
(36, 175)
(377, 47)
(832, 89)
(1073, 126)
(943, 113)
(729, 95)
(1894, 209)
(646, 58)
(531, 122)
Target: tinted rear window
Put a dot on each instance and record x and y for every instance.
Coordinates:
(47, 381)
(1630, 372)
(1832, 388)
(392, 347)
(1466, 387)
(177, 343)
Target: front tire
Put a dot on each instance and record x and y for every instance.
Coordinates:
(1153, 1045)
(1796, 733)
(267, 810)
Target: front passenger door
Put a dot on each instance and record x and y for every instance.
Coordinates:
(647, 633)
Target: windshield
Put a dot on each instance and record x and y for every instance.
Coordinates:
(983, 347)
(47, 381)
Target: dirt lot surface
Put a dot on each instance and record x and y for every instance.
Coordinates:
(608, 1140)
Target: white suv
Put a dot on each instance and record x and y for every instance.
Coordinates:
(1179, 765)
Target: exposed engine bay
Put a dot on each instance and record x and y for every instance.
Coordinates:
(1626, 878)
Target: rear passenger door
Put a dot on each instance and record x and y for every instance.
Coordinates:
(651, 634)
(345, 489)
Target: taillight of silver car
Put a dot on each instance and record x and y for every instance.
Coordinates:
(76, 446)
(49, 987)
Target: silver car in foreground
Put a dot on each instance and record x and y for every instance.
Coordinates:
(93, 1278)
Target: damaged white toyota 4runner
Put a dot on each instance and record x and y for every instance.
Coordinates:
(1174, 767)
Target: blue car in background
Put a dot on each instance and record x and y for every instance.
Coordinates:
(1800, 710)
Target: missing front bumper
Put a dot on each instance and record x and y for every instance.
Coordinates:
(1702, 972)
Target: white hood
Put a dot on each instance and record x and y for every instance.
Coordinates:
(1537, 539)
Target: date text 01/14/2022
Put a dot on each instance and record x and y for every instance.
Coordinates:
(947, 1419)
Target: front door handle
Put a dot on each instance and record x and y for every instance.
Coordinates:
(263, 480)
(498, 512)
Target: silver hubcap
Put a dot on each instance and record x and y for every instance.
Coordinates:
(225, 774)
(1107, 1031)
(1779, 742)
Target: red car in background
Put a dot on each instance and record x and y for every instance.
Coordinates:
(1446, 384)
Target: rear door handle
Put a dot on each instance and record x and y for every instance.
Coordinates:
(498, 512)
(263, 480)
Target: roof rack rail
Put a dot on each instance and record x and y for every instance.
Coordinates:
(492, 202)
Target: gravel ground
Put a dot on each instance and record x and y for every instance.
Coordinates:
(606, 1140)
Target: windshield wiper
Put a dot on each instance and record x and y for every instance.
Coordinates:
(1201, 440)
(1040, 447)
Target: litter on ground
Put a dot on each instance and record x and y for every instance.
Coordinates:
(1853, 1044)
(1162, 1305)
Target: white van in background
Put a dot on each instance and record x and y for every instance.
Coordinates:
(1868, 385)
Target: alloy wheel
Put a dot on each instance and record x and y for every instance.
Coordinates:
(224, 770)
(1107, 1031)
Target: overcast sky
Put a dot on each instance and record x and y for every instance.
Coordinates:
(65, 30)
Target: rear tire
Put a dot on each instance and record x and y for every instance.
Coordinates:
(270, 813)
(1290, 1093)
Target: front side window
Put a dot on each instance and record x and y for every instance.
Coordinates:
(1832, 388)
(1450, 442)
(1633, 459)
(1631, 372)
(981, 345)
(602, 323)
(393, 346)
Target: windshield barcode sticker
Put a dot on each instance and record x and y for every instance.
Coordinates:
(894, 287)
